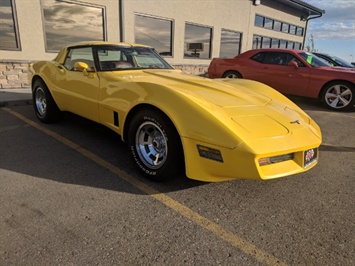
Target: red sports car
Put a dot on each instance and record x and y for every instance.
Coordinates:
(293, 72)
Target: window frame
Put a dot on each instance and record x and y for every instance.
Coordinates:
(74, 2)
(239, 44)
(172, 26)
(70, 49)
(281, 43)
(210, 40)
(16, 29)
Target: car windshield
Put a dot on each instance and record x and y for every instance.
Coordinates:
(129, 57)
(340, 61)
(313, 60)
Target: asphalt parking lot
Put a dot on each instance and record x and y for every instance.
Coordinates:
(69, 195)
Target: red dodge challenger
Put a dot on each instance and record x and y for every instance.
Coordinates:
(293, 72)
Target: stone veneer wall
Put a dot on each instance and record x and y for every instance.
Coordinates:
(13, 74)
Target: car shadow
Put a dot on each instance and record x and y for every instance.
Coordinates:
(37, 155)
(308, 104)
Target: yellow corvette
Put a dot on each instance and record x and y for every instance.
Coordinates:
(213, 130)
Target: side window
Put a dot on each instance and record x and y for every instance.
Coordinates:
(112, 59)
(276, 59)
(259, 57)
(79, 55)
(290, 58)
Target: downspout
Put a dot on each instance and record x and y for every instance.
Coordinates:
(308, 19)
(320, 13)
(120, 14)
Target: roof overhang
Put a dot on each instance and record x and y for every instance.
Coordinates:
(308, 10)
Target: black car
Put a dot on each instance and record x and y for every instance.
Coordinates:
(334, 60)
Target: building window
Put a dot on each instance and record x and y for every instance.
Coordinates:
(285, 27)
(8, 26)
(268, 23)
(259, 21)
(271, 24)
(277, 25)
(298, 46)
(257, 42)
(155, 32)
(197, 41)
(67, 22)
(230, 43)
(293, 29)
(275, 43)
(299, 31)
(266, 42)
(283, 44)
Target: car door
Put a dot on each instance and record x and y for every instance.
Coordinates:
(276, 72)
(77, 91)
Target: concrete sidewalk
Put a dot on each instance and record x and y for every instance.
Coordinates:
(14, 97)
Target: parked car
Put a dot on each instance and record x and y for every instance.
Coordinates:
(292, 72)
(174, 122)
(334, 60)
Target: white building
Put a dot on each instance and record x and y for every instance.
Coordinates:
(188, 33)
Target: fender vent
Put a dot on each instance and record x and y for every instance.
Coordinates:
(115, 119)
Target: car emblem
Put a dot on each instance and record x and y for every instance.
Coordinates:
(295, 122)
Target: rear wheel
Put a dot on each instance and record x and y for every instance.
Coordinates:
(232, 75)
(339, 96)
(45, 107)
(155, 145)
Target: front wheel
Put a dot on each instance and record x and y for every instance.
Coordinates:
(155, 145)
(339, 96)
(45, 107)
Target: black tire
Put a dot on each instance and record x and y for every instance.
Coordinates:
(155, 145)
(339, 95)
(46, 109)
(232, 75)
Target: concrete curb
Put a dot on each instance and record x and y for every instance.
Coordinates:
(15, 97)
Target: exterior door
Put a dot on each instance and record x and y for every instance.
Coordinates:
(288, 79)
(79, 89)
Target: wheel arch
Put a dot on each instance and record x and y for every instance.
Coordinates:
(232, 70)
(34, 79)
(137, 109)
(145, 106)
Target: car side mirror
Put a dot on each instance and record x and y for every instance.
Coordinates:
(81, 66)
(293, 63)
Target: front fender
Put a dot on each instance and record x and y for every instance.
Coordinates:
(193, 117)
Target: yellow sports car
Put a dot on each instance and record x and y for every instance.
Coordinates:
(213, 130)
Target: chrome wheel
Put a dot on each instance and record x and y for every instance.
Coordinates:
(151, 145)
(45, 107)
(338, 96)
(155, 145)
(41, 102)
(232, 75)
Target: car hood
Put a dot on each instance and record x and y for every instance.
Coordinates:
(252, 111)
(212, 91)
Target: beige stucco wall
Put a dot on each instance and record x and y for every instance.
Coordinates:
(217, 14)
(236, 15)
(31, 33)
(278, 12)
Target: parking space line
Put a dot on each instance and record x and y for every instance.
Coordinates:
(228, 236)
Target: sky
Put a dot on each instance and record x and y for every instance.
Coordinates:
(334, 32)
